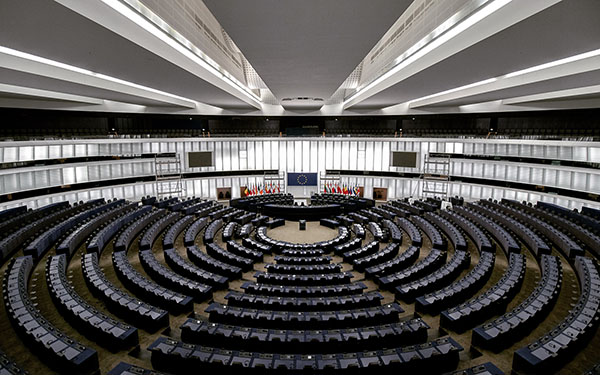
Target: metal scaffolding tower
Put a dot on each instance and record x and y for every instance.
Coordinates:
(167, 170)
(436, 176)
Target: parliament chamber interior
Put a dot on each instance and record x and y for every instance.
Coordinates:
(312, 187)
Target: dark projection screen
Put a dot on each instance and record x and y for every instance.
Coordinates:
(200, 159)
(404, 159)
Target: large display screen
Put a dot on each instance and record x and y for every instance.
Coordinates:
(200, 159)
(404, 159)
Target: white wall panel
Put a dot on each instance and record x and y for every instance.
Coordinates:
(305, 156)
(308, 155)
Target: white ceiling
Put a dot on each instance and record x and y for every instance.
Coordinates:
(299, 49)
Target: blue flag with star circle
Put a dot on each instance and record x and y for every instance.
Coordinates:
(302, 179)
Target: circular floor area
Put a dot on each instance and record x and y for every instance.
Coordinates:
(314, 232)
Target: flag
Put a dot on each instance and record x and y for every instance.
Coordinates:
(302, 179)
(356, 190)
(278, 188)
(339, 189)
(246, 191)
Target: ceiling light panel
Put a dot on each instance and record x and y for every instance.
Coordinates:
(421, 21)
(190, 23)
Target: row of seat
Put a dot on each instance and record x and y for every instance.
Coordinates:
(117, 301)
(175, 230)
(193, 272)
(384, 255)
(275, 223)
(245, 218)
(371, 215)
(206, 262)
(243, 251)
(154, 230)
(528, 236)
(358, 218)
(385, 214)
(244, 231)
(110, 211)
(506, 240)
(165, 202)
(363, 251)
(232, 215)
(173, 280)
(404, 205)
(397, 211)
(8, 366)
(104, 235)
(329, 223)
(582, 218)
(21, 235)
(508, 328)
(78, 215)
(408, 291)
(411, 229)
(434, 356)
(219, 253)
(397, 264)
(148, 290)
(193, 209)
(304, 291)
(17, 216)
(434, 302)
(435, 236)
(298, 341)
(491, 302)
(378, 233)
(258, 301)
(303, 269)
(256, 245)
(434, 260)
(229, 231)
(189, 237)
(394, 233)
(179, 206)
(584, 235)
(450, 230)
(319, 259)
(302, 252)
(86, 318)
(303, 280)
(480, 239)
(563, 242)
(345, 247)
(127, 235)
(324, 319)
(573, 333)
(486, 368)
(211, 231)
(58, 349)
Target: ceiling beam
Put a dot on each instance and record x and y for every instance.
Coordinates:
(126, 22)
(32, 64)
(487, 21)
(554, 95)
(46, 94)
(582, 63)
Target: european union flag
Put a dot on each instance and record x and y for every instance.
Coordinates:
(302, 179)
